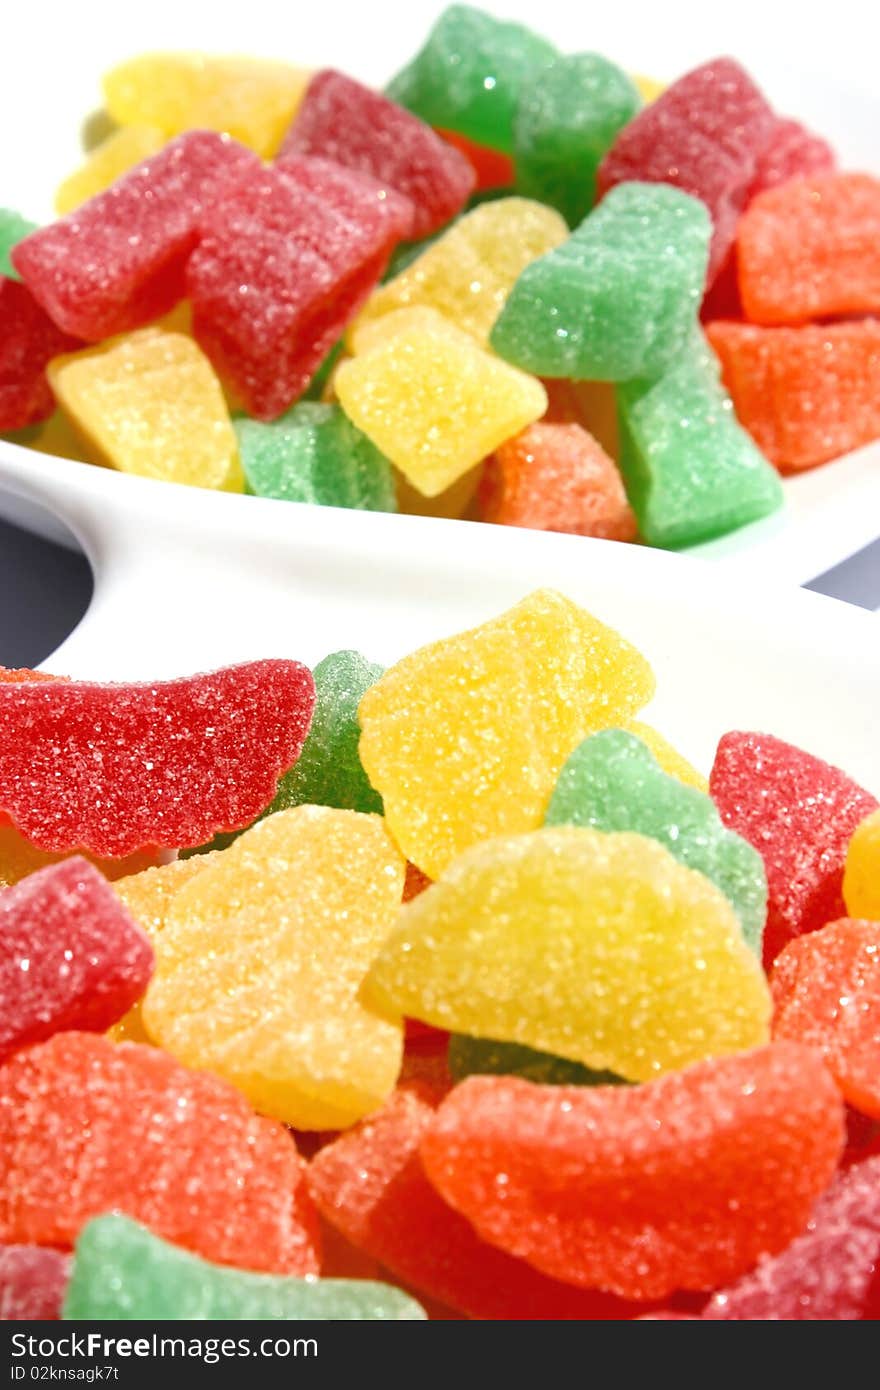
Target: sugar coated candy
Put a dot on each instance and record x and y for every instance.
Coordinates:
(122, 1272)
(618, 298)
(13, 229)
(315, 454)
(465, 738)
(493, 169)
(792, 152)
(590, 404)
(564, 123)
(18, 858)
(680, 1184)
(469, 74)
(261, 959)
(32, 1283)
(669, 758)
(89, 1126)
(612, 782)
(28, 341)
(861, 874)
(122, 149)
(810, 248)
(93, 276)
(484, 1056)
(111, 768)
(342, 120)
(799, 813)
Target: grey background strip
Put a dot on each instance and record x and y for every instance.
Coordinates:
(856, 580)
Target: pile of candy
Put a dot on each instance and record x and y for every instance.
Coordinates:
(446, 990)
(518, 286)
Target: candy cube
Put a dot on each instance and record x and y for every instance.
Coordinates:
(315, 454)
(28, 341)
(861, 875)
(792, 152)
(32, 1283)
(121, 151)
(19, 858)
(13, 229)
(492, 169)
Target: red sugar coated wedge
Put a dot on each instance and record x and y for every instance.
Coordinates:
(792, 151)
(283, 266)
(89, 1126)
(704, 134)
(826, 993)
(70, 955)
(32, 1283)
(28, 340)
(493, 169)
(369, 1183)
(681, 1183)
(10, 675)
(341, 120)
(118, 261)
(112, 768)
(799, 813)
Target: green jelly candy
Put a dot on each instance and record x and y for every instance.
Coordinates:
(122, 1272)
(13, 229)
(323, 374)
(315, 454)
(483, 1056)
(613, 782)
(691, 471)
(469, 75)
(563, 126)
(616, 300)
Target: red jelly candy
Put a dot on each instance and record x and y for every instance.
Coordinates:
(799, 813)
(15, 675)
(28, 340)
(826, 993)
(111, 768)
(118, 261)
(282, 267)
(791, 152)
(89, 1126)
(70, 955)
(704, 134)
(32, 1283)
(676, 1184)
(342, 120)
(492, 168)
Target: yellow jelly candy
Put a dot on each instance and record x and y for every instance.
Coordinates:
(861, 876)
(599, 948)
(465, 738)
(250, 99)
(261, 960)
(114, 156)
(18, 858)
(454, 501)
(435, 403)
(648, 87)
(151, 404)
(467, 274)
(668, 757)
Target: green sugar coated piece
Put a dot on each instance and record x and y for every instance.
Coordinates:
(13, 229)
(315, 454)
(469, 74)
(121, 1271)
(612, 782)
(564, 125)
(618, 299)
(691, 471)
(484, 1056)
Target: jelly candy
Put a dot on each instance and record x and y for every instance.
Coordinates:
(150, 404)
(70, 955)
(457, 500)
(342, 120)
(122, 1272)
(791, 152)
(315, 454)
(704, 134)
(13, 229)
(826, 994)
(612, 782)
(618, 299)
(493, 170)
(93, 276)
(861, 874)
(465, 738)
(258, 980)
(598, 948)
(805, 394)
(810, 248)
(799, 813)
(469, 74)
(32, 1283)
(484, 1056)
(435, 403)
(564, 123)
(648, 88)
(556, 478)
(691, 471)
(111, 768)
(88, 1126)
(591, 404)
(121, 151)
(669, 758)
(28, 340)
(679, 1184)
(18, 858)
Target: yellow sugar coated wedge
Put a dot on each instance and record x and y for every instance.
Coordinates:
(113, 157)
(251, 99)
(599, 948)
(861, 875)
(668, 757)
(457, 500)
(649, 88)
(467, 274)
(465, 738)
(261, 960)
(435, 403)
(151, 404)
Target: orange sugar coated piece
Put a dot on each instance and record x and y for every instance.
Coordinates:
(826, 994)
(592, 404)
(15, 675)
(810, 248)
(18, 858)
(87, 1127)
(556, 478)
(492, 168)
(681, 1183)
(805, 394)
